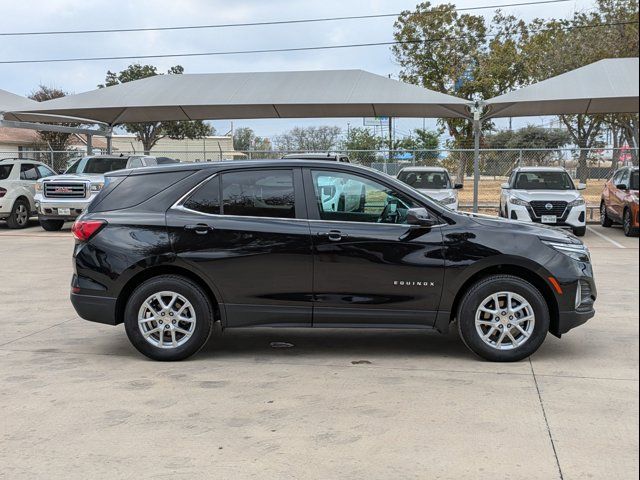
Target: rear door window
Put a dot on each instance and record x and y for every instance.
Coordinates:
(28, 172)
(206, 199)
(258, 193)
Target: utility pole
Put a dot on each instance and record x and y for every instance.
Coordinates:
(477, 131)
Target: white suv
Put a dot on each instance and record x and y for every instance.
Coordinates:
(544, 195)
(18, 178)
(434, 182)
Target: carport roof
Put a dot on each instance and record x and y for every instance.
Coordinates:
(10, 101)
(332, 93)
(607, 86)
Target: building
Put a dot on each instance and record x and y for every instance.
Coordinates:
(22, 143)
(211, 148)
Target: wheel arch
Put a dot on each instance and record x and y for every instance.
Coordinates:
(159, 270)
(515, 270)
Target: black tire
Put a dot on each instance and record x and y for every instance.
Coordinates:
(579, 231)
(627, 224)
(190, 291)
(605, 221)
(52, 225)
(483, 289)
(17, 218)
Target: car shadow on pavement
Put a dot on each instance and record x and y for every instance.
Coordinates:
(356, 344)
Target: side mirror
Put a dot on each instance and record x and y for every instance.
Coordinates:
(458, 186)
(61, 171)
(582, 186)
(622, 186)
(420, 217)
(505, 186)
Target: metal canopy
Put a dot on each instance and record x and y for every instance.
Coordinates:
(333, 93)
(10, 101)
(607, 86)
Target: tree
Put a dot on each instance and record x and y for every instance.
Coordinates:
(149, 133)
(559, 46)
(448, 52)
(315, 139)
(56, 141)
(244, 139)
(361, 145)
(530, 137)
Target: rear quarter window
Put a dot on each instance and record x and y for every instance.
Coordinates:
(5, 171)
(127, 192)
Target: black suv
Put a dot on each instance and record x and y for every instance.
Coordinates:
(169, 251)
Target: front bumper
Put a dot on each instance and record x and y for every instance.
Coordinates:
(570, 320)
(56, 209)
(573, 218)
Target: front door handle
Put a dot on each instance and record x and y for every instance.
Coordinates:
(200, 228)
(333, 235)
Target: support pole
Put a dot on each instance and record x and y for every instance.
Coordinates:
(109, 136)
(89, 144)
(477, 130)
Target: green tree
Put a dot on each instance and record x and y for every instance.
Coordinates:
(56, 141)
(149, 133)
(451, 53)
(244, 140)
(361, 145)
(556, 47)
(529, 137)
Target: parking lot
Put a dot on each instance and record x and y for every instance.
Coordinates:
(77, 399)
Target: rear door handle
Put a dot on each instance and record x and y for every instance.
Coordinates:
(200, 228)
(334, 235)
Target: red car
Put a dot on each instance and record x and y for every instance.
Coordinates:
(620, 201)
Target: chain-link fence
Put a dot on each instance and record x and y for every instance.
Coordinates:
(589, 166)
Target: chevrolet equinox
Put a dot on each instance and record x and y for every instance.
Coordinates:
(170, 251)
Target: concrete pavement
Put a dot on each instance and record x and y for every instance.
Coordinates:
(79, 402)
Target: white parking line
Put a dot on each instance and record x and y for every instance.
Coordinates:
(610, 240)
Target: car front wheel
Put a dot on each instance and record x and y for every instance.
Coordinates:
(52, 225)
(168, 318)
(503, 318)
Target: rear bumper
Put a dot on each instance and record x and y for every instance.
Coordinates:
(94, 308)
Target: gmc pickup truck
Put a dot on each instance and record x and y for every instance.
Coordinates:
(62, 198)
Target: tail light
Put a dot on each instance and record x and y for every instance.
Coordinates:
(3, 192)
(83, 230)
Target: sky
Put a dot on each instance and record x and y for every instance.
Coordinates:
(40, 15)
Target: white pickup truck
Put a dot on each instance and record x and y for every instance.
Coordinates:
(62, 198)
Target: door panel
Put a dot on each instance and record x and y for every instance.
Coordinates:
(367, 271)
(262, 267)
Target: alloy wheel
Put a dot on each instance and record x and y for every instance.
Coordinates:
(505, 320)
(627, 222)
(166, 320)
(22, 215)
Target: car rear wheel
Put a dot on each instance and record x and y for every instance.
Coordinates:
(168, 318)
(19, 216)
(52, 225)
(627, 224)
(503, 318)
(605, 221)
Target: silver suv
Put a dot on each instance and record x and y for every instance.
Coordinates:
(62, 198)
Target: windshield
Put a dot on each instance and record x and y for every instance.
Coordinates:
(99, 165)
(633, 185)
(425, 180)
(543, 181)
(5, 170)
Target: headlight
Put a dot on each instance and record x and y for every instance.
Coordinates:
(96, 187)
(39, 187)
(577, 251)
(577, 202)
(448, 200)
(518, 201)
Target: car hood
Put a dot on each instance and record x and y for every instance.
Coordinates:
(548, 195)
(75, 177)
(542, 231)
(437, 194)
